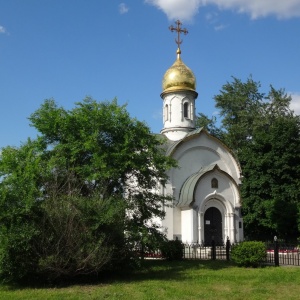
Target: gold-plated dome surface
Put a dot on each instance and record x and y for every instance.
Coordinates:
(179, 77)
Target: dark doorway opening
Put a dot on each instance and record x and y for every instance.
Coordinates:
(213, 227)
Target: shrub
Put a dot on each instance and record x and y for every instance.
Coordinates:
(17, 257)
(249, 254)
(67, 237)
(80, 235)
(172, 250)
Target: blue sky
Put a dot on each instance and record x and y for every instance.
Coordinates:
(70, 49)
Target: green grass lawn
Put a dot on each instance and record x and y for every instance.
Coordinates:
(177, 280)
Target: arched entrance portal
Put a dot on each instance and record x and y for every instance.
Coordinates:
(213, 226)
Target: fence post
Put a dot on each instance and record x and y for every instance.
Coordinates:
(227, 248)
(276, 252)
(213, 249)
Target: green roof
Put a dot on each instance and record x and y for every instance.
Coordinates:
(186, 196)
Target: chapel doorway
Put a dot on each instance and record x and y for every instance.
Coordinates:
(213, 227)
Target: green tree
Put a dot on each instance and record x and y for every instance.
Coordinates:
(240, 106)
(271, 168)
(77, 197)
(210, 124)
(20, 172)
(264, 134)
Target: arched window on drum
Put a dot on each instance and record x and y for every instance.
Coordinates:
(166, 112)
(186, 110)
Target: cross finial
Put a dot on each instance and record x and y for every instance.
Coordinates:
(179, 30)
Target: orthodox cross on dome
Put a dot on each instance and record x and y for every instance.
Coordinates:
(179, 30)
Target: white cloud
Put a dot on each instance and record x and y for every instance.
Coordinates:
(123, 8)
(260, 8)
(213, 19)
(187, 9)
(2, 29)
(295, 103)
(177, 9)
(220, 27)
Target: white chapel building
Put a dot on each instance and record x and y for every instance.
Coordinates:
(205, 185)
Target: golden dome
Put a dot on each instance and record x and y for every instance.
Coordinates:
(178, 77)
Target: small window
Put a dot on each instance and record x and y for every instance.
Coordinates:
(214, 183)
(186, 110)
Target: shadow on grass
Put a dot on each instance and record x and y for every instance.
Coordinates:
(164, 270)
(149, 270)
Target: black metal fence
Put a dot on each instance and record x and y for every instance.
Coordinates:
(197, 251)
(277, 253)
(280, 253)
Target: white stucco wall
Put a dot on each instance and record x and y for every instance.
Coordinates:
(201, 151)
(226, 189)
(176, 125)
(189, 225)
(193, 154)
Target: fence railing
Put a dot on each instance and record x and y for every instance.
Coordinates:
(277, 253)
(282, 254)
(197, 251)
